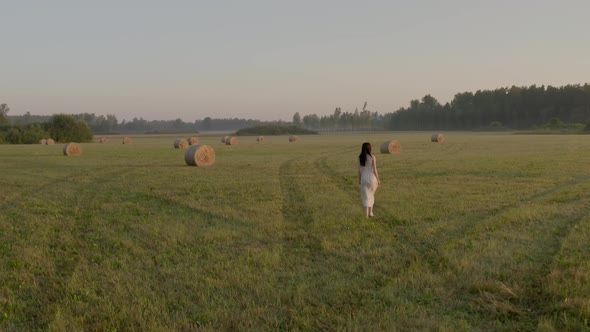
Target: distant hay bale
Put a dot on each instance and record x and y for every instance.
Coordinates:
(199, 155)
(193, 140)
(232, 141)
(437, 138)
(126, 140)
(181, 143)
(72, 149)
(104, 140)
(392, 146)
(294, 139)
(43, 141)
(225, 138)
(50, 141)
(260, 139)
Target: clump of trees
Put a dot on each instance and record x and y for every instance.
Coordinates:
(29, 134)
(61, 127)
(363, 120)
(270, 130)
(67, 128)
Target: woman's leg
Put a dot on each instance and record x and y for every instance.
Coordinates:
(370, 211)
(367, 211)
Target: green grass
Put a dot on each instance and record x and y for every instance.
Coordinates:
(483, 232)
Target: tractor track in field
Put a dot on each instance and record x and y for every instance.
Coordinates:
(295, 211)
(473, 221)
(53, 283)
(39, 188)
(533, 302)
(536, 298)
(302, 257)
(436, 241)
(342, 182)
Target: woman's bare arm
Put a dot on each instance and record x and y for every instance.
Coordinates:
(359, 171)
(375, 169)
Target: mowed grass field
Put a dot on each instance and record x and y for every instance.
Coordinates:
(482, 232)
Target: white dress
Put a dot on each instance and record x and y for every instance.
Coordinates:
(368, 182)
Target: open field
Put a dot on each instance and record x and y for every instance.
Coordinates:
(482, 232)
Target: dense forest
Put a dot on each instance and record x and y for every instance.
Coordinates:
(514, 108)
(507, 108)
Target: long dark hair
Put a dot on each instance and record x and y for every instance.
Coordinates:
(365, 150)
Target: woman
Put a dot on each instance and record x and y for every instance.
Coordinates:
(368, 178)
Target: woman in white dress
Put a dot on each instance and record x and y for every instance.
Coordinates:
(368, 178)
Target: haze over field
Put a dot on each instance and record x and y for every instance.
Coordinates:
(268, 59)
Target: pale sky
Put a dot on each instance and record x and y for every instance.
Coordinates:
(163, 60)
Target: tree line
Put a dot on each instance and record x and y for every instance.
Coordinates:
(507, 108)
(503, 108)
(60, 127)
(109, 124)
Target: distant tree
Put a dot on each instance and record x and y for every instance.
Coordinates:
(14, 135)
(67, 128)
(178, 123)
(106, 124)
(296, 119)
(207, 123)
(311, 121)
(3, 112)
(27, 118)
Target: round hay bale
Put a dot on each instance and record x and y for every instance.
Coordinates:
(193, 140)
(199, 155)
(392, 146)
(104, 140)
(72, 149)
(225, 138)
(260, 139)
(181, 143)
(43, 141)
(126, 140)
(294, 139)
(232, 141)
(439, 138)
(50, 141)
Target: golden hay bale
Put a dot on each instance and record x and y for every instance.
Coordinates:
(43, 141)
(437, 138)
(181, 143)
(72, 149)
(193, 140)
(126, 140)
(294, 139)
(232, 141)
(260, 139)
(224, 139)
(199, 155)
(392, 146)
(50, 141)
(104, 140)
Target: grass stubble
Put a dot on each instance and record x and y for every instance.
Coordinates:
(482, 232)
